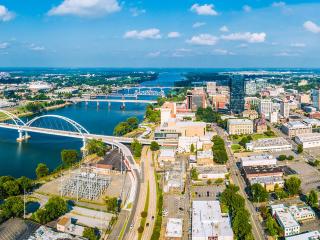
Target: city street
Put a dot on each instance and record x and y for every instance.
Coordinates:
(238, 180)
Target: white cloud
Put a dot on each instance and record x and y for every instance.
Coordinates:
(152, 33)
(174, 34)
(203, 39)
(278, 4)
(219, 51)
(247, 8)
(35, 47)
(5, 14)
(247, 37)
(298, 45)
(4, 45)
(206, 9)
(311, 27)
(86, 7)
(154, 54)
(243, 45)
(224, 29)
(137, 12)
(198, 24)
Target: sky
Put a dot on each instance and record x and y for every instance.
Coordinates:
(160, 33)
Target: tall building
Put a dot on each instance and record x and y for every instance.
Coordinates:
(211, 88)
(265, 107)
(284, 108)
(237, 94)
(251, 88)
(316, 98)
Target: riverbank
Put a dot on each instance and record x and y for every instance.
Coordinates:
(17, 112)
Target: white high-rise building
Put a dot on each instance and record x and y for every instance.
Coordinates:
(211, 88)
(284, 108)
(265, 107)
(251, 88)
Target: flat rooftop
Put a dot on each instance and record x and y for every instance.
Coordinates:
(174, 228)
(208, 221)
(308, 137)
(267, 142)
(259, 157)
(261, 169)
(296, 125)
(239, 121)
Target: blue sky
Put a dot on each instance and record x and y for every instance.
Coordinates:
(166, 33)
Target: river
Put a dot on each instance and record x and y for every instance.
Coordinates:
(21, 159)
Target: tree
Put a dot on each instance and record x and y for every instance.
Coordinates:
(53, 209)
(25, 184)
(11, 188)
(96, 146)
(241, 225)
(42, 170)
(121, 129)
(112, 204)
(290, 157)
(133, 123)
(194, 174)
(154, 146)
(312, 199)
(12, 207)
(272, 226)
(259, 193)
(136, 147)
(69, 157)
(192, 148)
(91, 233)
(300, 149)
(282, 157)
(293, 185)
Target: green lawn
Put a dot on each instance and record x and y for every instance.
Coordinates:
(236, 147)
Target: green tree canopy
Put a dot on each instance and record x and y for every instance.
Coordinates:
(91, 233)
(69, 156)
(312, 199)
(136, 147)
(259, 193)
(42, 170)
(154, 146)
(293, 185)
(96, 146)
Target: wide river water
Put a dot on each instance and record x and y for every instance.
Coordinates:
(21, 159)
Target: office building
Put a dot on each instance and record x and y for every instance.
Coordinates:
(240, 126)
(250, 88)
(295, 128)
(309, 140)
(316, 98)
(269, 145)
(258, 160)
(211, 88)
(250, 114)
(265, 107)
(313, 235)
(284, 108)
(209, 223)
(237, 94)
(286, 221)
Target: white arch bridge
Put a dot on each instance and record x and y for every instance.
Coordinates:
(76, 131)
(79, 132)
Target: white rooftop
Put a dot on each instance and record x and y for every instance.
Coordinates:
(314, 235)
(296, 125)
(239, 121)
(309, 137)
(174, 228)
(207, 221)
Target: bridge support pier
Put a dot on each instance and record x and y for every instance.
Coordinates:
(22, 136)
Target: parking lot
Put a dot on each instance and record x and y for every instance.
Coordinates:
(309, 176)
(211, 192)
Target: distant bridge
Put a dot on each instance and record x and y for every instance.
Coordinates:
(113, 100)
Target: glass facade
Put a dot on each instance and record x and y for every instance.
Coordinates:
(237, 94)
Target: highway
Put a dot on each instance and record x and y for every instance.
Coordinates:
(148, 177)
(235, 174)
